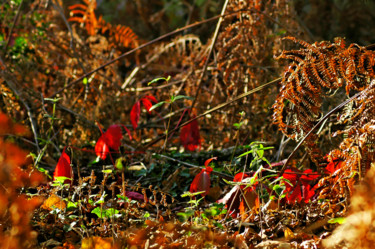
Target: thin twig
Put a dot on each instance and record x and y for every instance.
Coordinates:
(200, 80)
(132, 51)
(226, 176)
(218, 107)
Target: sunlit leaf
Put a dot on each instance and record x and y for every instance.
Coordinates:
(147, 104)
(208, 161)
(96, 160)
(338, 220)
(109, 139)
(174, 98)
(202, 182)
(97, 243)
(119, 164)
(113, 137)
(156, 105)
(101, 148)
(159, 80)
(53, 202)
(135, 113)
(63, 168)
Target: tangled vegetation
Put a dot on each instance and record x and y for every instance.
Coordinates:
(185, 124)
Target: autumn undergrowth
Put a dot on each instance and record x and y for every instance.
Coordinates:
(113, 136)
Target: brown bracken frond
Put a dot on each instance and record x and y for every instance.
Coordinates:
(85, 14)
(316, 70)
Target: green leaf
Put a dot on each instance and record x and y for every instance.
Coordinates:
(174, 98)
(107, 171)
(339, 220)
(286, 180)
(60, 180)
(119, 164)
(189, 194)
(278, 189)
(85, 81)
(186, 215)
(104, 213)
(237, 125)
(156, 105)
(260, 151)
(245, 153)
(54, 100)
(96, 160)
(71, 206)
(101, 200)
(159, 80)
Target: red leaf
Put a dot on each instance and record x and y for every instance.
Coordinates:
(147, 104)
(333, 165)
(190, 137)
(202, 182)
(207, 162)
(310, 175)
(128, 131)
(290, 175)
(240, 176)
(308, 192)
(109, 139)
(113, 137)
(152, 98)
(232, 200)
(135, 113)
(134, 195)
(101, 148)
(63, 168)
(208, 169)
(291, 197)
(301, 189)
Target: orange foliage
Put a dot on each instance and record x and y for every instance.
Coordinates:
(15, 208)
(86, 14)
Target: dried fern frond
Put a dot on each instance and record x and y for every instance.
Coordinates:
(314, 72)
(85, 14)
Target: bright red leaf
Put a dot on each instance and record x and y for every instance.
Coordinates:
(333, 165)
(152, 98)
(240, 176)
(147, 104)
(63, 168)
(109, 139)
(146, 101)
(309, 175)
(136, 109)
(135, 113)
(301, 189)
(202, 182)
(101, 148)
(113, 137)
(208, 161)
(190, 137)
